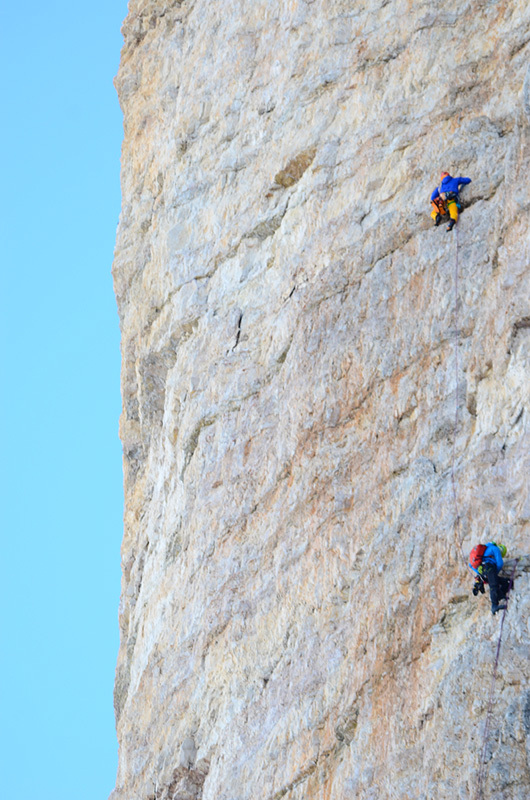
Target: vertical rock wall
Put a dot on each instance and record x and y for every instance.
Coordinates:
(307, 363)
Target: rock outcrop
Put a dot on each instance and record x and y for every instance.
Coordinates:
(326, 399)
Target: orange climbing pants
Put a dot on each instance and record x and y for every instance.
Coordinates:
(440, 207)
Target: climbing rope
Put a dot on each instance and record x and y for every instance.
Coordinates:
(458, 537)
(487, 724)
(456, 322)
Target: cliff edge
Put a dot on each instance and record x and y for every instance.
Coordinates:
(326, 400)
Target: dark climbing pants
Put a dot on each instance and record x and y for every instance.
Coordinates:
(498, 585)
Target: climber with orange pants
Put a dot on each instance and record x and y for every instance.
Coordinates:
(445, 199)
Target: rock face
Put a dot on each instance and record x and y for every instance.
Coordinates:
(325, 399)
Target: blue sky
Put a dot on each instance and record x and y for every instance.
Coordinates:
(61, 474)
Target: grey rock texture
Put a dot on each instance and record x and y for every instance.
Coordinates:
(325, 399)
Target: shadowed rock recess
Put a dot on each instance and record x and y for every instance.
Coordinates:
(304, 371)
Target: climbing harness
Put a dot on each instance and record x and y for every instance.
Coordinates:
(487, 724)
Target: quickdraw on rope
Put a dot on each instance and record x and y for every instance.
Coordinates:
(487, 724)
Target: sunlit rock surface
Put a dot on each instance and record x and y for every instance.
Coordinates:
(307, 365)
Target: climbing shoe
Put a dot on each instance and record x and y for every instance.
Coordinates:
(438, 220)
(451, 225)
(499, 607)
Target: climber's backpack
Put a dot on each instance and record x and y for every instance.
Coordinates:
(476, 555)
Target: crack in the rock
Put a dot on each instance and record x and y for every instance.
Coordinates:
(238, 331)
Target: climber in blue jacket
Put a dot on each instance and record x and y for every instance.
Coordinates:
(488, 572)
(445, 200)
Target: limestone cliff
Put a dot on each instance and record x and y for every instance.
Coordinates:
(307, 365)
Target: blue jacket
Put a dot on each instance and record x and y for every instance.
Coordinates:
(492, 555)
(450, 184)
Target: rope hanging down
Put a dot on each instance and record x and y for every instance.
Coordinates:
(456, 322)
(458, 539)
